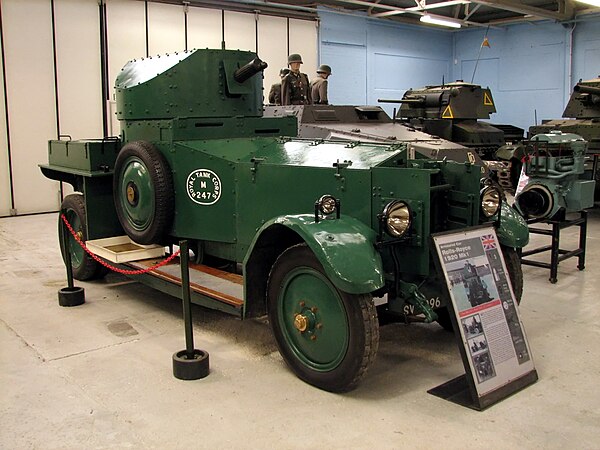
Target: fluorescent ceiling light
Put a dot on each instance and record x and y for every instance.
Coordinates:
(435, 21)
(591, 2)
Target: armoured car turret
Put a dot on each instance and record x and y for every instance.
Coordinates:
(307, 231)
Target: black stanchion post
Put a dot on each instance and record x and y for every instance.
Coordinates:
(70, 295)
(188, 364)
(187, 304)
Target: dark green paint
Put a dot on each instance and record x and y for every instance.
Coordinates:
(344, 247)
(140, 209)
(513, 230)
(307, 292)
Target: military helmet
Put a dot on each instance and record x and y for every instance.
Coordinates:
(294, 58)
(283, 72)
(324, 68)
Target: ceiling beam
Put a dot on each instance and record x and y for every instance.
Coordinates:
(472, 11)
(510, 5)
(372, 5)
(421, 8)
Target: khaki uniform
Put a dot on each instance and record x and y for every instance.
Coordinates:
(275, 94)
(295, 89)
(318, 88)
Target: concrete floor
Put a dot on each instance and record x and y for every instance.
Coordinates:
(99, 375)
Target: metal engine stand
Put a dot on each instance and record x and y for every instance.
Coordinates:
(557, 254)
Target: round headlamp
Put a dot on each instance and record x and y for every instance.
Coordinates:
(397, 218)
(327, 204)
(491, 197)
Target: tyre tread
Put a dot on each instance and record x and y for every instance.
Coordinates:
(89, 269)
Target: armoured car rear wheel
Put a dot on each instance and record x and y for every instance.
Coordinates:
(329, 338)
(83, 266)
(515, 273)
(143, 192)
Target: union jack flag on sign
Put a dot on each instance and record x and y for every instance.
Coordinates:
(488, 242)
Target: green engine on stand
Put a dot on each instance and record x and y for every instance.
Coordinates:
(312, 229)
(554, 166)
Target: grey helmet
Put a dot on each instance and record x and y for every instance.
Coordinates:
(324, 68)
(283, 72)
(294, 58)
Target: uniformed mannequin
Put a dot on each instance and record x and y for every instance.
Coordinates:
(275, 93)
(295, 89)
(318, 86)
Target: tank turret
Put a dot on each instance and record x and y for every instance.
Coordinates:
(582, 115)
(453, 111)
(456, 100)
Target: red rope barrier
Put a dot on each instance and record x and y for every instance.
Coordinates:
(109, 266)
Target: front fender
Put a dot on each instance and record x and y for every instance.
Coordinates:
(512, 230)
(344, 247)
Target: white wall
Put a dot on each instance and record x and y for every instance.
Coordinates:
(271, 50)
(30, 71)
(303, 40)
(30, 93)
(78, 66)
(204, 28)
(5, 200)
(166, 31)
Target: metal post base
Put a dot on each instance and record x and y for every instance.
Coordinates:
(186, 368)
(71, 296)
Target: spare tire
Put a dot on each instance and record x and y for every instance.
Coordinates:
(143, 192)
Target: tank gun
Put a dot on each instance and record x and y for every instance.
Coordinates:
(582, 88)
(416, 100)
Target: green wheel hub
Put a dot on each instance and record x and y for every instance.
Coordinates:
(313, 319)
(137, 193)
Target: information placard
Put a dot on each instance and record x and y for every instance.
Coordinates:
(484, 310)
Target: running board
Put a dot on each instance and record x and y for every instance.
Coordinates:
(209, 287)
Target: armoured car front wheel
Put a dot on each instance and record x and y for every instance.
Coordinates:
(329, 338)
(515, 271)
(83, 266)
(143, 192)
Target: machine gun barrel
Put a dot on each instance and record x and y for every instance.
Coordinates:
(586, 89)
(249, 70)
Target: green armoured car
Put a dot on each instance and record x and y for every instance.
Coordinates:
(311, 231)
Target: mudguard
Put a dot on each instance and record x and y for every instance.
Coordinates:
(344, 247)
(512, 230)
